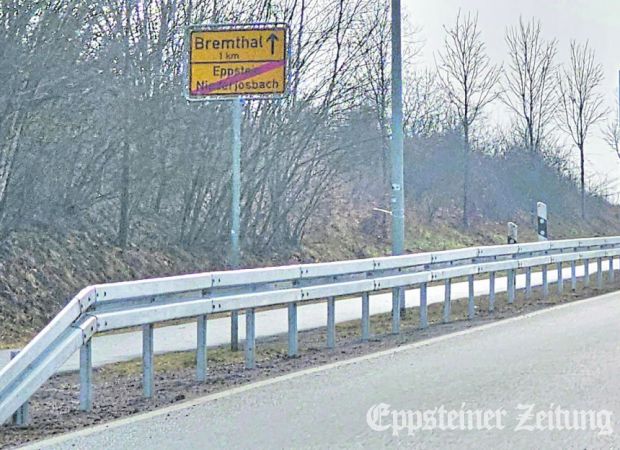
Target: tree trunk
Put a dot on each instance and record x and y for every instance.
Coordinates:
(123, 223)
(466, 176)
(7, 161)
(583, 182)
(531, 139)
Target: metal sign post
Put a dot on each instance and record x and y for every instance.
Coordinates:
(235, 210)
(397, 191)
(237, 62)
(236, 183)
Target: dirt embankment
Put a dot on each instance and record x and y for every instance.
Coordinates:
(41, 270)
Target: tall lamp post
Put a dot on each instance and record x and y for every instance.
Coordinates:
(397, 188)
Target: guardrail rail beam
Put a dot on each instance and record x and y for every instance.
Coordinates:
(143, 303)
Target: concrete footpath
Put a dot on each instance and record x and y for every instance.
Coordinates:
(126, 346)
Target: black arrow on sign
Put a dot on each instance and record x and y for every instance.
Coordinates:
(272, 38)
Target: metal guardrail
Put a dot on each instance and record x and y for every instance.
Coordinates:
(143, 303)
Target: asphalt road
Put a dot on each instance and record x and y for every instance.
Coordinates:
(126, 346)
(566, 357)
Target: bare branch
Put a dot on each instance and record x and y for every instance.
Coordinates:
(529, 82)
(580, 102)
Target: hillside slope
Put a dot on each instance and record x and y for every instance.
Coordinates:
(41, 270)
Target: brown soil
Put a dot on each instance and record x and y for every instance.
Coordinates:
(41, 269)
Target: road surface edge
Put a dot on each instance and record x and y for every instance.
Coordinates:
(267, 382)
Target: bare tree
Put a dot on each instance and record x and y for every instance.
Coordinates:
(94, 133)
(612, 136)
(581, 105)
(470, 81)
(529, 82)
(376, 76)
(34, 71)
(425, 111)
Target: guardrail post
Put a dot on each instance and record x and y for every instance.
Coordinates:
(491, 291)
(573, 275)
(446, 300)
(511, 282)
(250, 338)
(21, 418)
(86, 376)
(528, 282)
(423, 305)
(611, 269)
(147, 360)
(560, 278)
(292, 330)
(365, 316)
(331, 322)
(471, 307)
(401, 302)
(545, 283)
(234, 331)
(201, 348)
(586, 272)
(396, 310)
(599, 273)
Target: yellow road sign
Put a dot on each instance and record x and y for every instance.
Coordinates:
(243, 61)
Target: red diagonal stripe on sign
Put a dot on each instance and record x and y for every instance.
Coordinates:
(224, 83)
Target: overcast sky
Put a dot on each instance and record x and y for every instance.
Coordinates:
(595, 20)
